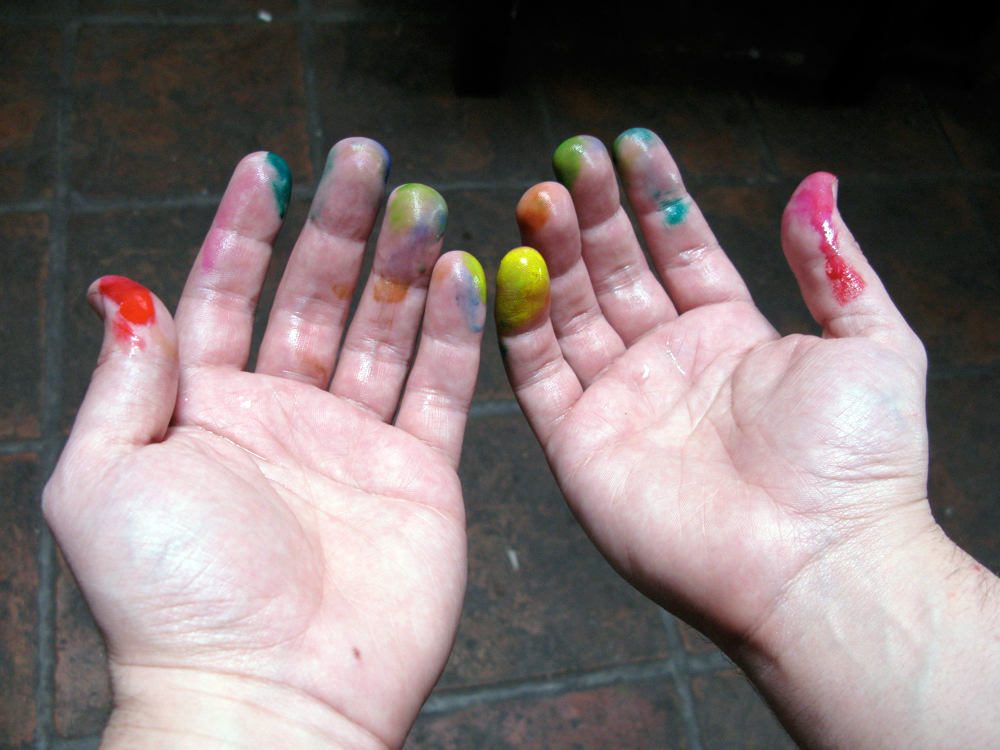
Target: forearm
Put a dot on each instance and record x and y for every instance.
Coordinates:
(893, 650)
(179, 709)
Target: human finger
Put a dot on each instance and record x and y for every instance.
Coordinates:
(843, 292)
(314, 297)
(380, 340)
(689, 259)
(548, 223)
(216, 310)
(631, 297)
(435, 404)
(542, 379)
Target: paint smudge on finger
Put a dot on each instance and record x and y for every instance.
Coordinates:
(535, 208)
(281, 183)
(522, 289)
(471, 293)
(569, 158)
(415, 222)
(675, 210)
(815, 203)
(135, 307)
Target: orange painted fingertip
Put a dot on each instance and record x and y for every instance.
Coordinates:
(535, 208)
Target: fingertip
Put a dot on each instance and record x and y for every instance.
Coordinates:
(281, 182)
(522, 298)
(539, 205)
(363, 153)
(459, 276)
(572, 155)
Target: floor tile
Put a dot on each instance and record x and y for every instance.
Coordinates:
(395, 86)
(626, 717)
(732, 715)
(28, 111)
(541, 600)
(930, 249)
(969, 117)
(162, 110)
(82, 687)
(964, 419)
(893, 134)
(20, 524)
(23, 273)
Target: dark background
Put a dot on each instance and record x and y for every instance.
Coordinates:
(120, 122)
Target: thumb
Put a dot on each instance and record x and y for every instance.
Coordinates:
(132, 392)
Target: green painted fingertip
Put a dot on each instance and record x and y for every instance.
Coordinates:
(568, 159)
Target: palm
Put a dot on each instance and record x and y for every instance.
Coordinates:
(341, 521)
(724, 455)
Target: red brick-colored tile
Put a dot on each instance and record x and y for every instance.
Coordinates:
(969, 119)
(163, 110)
(83, 690)
(732, 715)
(541, 600)
(23, 273)
(627, 717)
(28, 111)
(20, 522)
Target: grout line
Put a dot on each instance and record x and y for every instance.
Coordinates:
(680, 679)
(493, 408)
(12, 447)
(55, 301)
(78, 743)
(307, 51)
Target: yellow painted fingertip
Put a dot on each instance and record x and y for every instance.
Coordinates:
(522, 289)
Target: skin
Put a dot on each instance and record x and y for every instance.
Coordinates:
(522, 289)
(276, 558)
(770, 490)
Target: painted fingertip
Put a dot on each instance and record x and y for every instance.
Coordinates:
(281, 182)
(814, 204)
(418, 210)
(522, 290)
(641, 138)
(361, 149)
(571, 155)
(535, 208)
(134, 308)
(471, 295)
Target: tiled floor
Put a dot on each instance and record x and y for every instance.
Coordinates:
(121, 119)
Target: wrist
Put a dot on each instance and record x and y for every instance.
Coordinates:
(161, 707)
(887, 641)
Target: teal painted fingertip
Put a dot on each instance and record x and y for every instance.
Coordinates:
(636, 134)
(568, 159)
(281, 183)
(675, 211)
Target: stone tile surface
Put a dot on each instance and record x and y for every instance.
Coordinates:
(28, 86)
(628, 717)
(164, 110)
(540, 599)
(23, 274)
(732, 715)
(20, 524)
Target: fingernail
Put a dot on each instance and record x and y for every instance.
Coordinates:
(281, 183)
(522, 289)
(569, 158)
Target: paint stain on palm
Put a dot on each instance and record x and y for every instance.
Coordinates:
(471, 293)
(815, 203)
(522, 289)
(415, 221)
(135, 306)
(281, 183)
